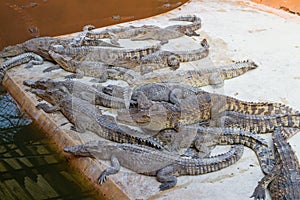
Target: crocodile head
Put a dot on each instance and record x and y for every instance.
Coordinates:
(12, 51)
(63, 61)
(43, 83)
(162, 58)
(96, 149)
(152, 118)
(53, 96)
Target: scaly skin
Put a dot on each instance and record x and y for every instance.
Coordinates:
(150, 32)
(175, 93)
(189, 29)
(42, 45)
(172, 59)
(81, 40)
(145, 160)
(31, 58)
(198, 77)
(119, 33)
(284, 179)
(86, 92)
(85, 116)
(97, 70)
(258, 123)
(105, 55)
(170, 108)
(173, 31)
(204, 139)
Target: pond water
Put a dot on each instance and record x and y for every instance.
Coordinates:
(30, 168)
(23, 19)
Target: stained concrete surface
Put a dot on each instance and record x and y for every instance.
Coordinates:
(235, 30)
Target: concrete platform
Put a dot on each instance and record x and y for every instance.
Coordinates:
(235, 30)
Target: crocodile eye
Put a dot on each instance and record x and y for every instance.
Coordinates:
(143, 119)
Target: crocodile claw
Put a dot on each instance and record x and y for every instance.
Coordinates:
(259, 193)
(102, 178)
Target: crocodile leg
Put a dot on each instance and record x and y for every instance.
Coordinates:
(259, 192)
(114, 169)
(166, 177)
(52, 68)
(48, 109)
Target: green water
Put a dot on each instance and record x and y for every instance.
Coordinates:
(30, 168)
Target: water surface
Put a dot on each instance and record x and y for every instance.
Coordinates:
(23, 19)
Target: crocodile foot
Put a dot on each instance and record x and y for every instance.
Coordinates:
(102, 178)
(167, 185)
(259, 193)
(52, 68)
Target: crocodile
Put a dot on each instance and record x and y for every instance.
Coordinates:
(189, 29)
(85, 116)
(98, 70)
(31, 58)
(197, 77)
(204, 139)
(173, 31)
(172, 59)
(118, 33)
(198, 106)
(141, 63)
(42, 45)
(78, 40)
(81, 40)
(152, 162)
(112, 56)
(148, 32)
(175, 93)
(284, 179)
(94, 95)
(258, 123)
(151, 59)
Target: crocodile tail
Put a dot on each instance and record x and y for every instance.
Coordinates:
(238, 136)
(212, 163)
(258, 108)
(264, 154)
(284, 149)
(196, 23)
(258, 123)
(32, 58)
(141, 52)
(193, 55)
(187, 18)
(237, 69)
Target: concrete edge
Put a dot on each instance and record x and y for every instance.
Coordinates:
(61, 139)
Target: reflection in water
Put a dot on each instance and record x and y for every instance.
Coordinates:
(22, 20)
(29, 167)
